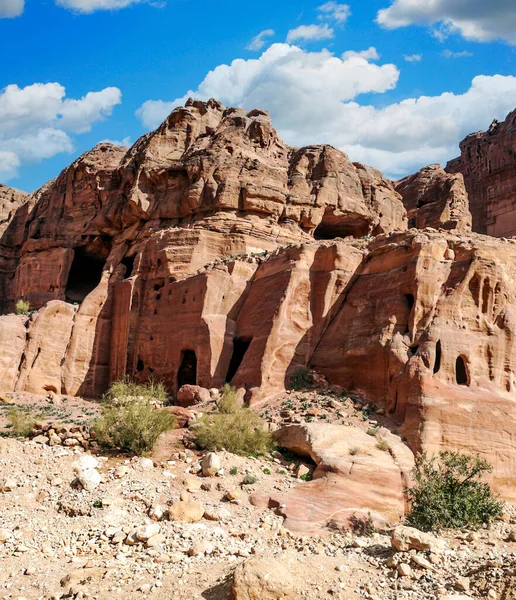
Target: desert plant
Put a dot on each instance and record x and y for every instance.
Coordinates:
(449, 493)
(228, 402)
(133, 425)
(125, 390)
(362, 525)
(354, 450)
(306, 477)
(383, 445)
(233, 471)
(236, 429)
(249, 480)
(21, 421)
(266, 471)
(372, 431)
(22, 307)
(300, 379)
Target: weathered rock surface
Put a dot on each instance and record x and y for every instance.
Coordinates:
(258, 579)
(10, 201)
(488, 164)
(434, 198)
(353, 478)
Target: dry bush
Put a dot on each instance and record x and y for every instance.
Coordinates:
(22, 307)
(21, 420)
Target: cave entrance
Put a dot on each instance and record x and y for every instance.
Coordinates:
(333, 226)
(438, 353)
(85, 275)
(128, 262)
(187, 373)
(461, 371)
(240, 347)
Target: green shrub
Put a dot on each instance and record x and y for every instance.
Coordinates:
(134, 425)
(306, 477)
(372, 431)
(300, 379)
(228, 402)
(249, 480)
(234, 428)
(354, 450)
(233, 471)
(125, 390)
(21, 421)
(22, 307)
(266, 471)
(449, 493)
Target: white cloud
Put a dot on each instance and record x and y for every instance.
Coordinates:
(337, 12)
(11, 8)
(370, 54)
(450, 54)
(312, 99)
(36, 121)
(474, 19)
(90, 6)
(126, 142)
(259, 41)
(412, 58)
(311, 33)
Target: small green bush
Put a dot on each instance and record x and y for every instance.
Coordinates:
(134, 425)
(237, 429)
(125, 390)
(233, 471)
(372, 431)
(306, 477)
(22, 307)
(300, 379)
(354, 450)
(249, 480)
(449, 493)
(21, 421)
(267, 471)
(228, 402)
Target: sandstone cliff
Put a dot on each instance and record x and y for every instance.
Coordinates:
(212, 252)
(488, 163)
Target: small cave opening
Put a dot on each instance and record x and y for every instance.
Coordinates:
(410, 301)
(461, 371)
(437, 362)
(240, 347)
(85, 274)
(333, 226)
(128, 262)
(187, 373)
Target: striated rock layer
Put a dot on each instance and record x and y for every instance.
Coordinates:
(212, 252)
(488, 164)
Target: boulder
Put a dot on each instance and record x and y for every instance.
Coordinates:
(405, 538)
(190, 395)
(210, 464)
(89, 479)
(181, 414)
(186, 511)
(261, 578)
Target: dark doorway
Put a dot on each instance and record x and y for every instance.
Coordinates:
(438, 351)
(128, 262)
(240, 347)
(187, 374)
(410, 301)
(85, 275)
(461, 371)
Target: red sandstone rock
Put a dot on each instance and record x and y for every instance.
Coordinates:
(488, 163)
(190, 395)
(182, 415)
(10, 201)
(434, 198)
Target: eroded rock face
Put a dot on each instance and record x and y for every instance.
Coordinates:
(488, 164)
(10, 201)
(434, 198)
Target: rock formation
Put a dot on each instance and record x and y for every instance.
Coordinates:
(212, 252)
(434, 198)
(488, 163)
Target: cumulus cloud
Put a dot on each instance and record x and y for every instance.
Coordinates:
(310, 33)
(313, 98)
(11, 8)
(90, 6)
(334, 11)
(412, 58)
(370, 54)
(475, 19)
(259, 41)
(36, 122)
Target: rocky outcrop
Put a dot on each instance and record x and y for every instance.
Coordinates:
(488, 164)
(10, 200)
(355, 478)
(434, 198)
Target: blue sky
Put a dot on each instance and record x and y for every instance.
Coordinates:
(155, 54)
